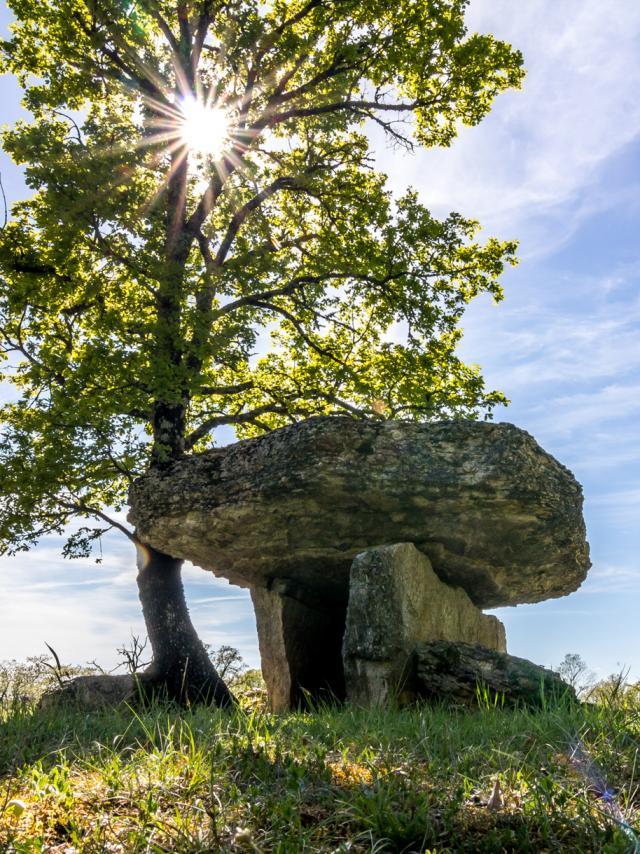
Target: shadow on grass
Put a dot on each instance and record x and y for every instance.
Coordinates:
(326, 780)
(52, 735)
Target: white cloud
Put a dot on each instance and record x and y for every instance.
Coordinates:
(618, 499)
(86, 610)
(606, 451)
(79, 625)
(207, 599)
(564, 415)
(618, 511)
(612, 578)
(535, 343)
(565, 348)
(523, 171)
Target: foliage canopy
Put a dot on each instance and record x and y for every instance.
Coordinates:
(150, 294)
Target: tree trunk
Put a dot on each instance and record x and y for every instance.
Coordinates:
(181, 669)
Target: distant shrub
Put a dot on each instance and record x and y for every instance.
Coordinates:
(615, 691)
(22, 683)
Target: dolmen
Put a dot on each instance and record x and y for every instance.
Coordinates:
(371, 549)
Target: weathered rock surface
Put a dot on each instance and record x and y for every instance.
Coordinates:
(462, 672)
(92, 693)
(496, 515)
(396, 601)
(300, 647)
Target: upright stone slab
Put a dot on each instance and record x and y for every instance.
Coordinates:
(300, 644)
(396, 601)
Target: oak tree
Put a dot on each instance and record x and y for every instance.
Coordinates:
(208, 243)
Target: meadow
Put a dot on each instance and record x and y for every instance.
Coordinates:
(333, 779)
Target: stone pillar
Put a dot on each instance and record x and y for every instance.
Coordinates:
(396, 601)
(300, 644)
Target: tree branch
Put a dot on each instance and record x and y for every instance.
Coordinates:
(297, 324)
(152, 9)
(331, 398)
(250, 299)
(299, 282)
(80, 507)
(363, 107)
(281, 97)
(144, 83)
(271, 246)
(105, 246)
(4, 203)
(288, 22)
(206, 19)
(284, 183)
(183, 21)
(209, 198)
(35, 268)
(222, 420)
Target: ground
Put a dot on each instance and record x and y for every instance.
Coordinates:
(427, 779)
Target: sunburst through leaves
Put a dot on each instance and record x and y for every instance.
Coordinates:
(203, 127)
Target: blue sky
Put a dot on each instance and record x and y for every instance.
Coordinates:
(555, 166)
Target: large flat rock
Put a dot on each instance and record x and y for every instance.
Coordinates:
(496, 514)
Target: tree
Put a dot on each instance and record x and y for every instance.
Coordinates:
(201, 176)
(575, 672)
(228, 662)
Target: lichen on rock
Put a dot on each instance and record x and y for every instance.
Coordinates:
(496, 514)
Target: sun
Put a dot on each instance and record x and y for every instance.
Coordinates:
(204, 129)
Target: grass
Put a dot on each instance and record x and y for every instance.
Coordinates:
(332, 780)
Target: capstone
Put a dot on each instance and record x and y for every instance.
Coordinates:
(497, 516)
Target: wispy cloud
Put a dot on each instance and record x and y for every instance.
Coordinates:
(540, 342)
(525, 169)
(570, 412)
(612, 579)
(208, 599)
(618, 511)
(86, 610)
(565, 348)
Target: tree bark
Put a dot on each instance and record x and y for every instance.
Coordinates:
(181, 670)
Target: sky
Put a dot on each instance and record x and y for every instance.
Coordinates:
(556, 167)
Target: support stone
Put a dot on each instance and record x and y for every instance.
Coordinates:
(91, 693)
(300, 644)
(468, 674)
(396, 601)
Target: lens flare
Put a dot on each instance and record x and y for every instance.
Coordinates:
(203, 128)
